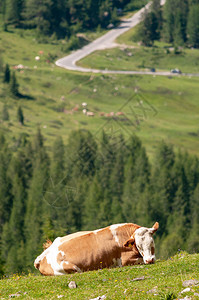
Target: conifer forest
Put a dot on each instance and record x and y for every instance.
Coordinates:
(90, 184)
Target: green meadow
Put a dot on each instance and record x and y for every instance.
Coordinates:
(130, 55)
(138, 58)
(155, 108)
(163, 280)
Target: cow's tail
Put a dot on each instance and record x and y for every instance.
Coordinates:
(47, 244)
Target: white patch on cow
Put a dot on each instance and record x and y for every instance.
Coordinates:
(117, 262)
(51, 257)
(144, 243)
(44, 253)
(113, 229)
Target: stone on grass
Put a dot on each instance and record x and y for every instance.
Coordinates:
(138, 278)
(99, 298)
(185, 290)
(72, 285)
(191, 282)
(153, 290)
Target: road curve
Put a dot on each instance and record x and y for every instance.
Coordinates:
(107, 41)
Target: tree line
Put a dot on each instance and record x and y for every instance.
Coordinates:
(91, 183)
(176, 22)
(63, 18)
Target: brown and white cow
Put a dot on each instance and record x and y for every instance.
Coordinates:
(115, 245)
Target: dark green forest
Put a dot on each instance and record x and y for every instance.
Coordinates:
(177, 23)
(63, 18)
(91, 183)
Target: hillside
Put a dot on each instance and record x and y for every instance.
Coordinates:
(163, 280)
(132, 158)
(155, 108)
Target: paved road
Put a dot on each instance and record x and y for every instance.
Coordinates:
(107, 41)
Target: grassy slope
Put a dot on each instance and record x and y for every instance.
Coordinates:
(142, 58)
(135, 57)
(163, 108)
(165, 277)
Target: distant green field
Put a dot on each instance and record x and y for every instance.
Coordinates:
(163, 280)
(131, 56)
(154, 108)
(142, 58)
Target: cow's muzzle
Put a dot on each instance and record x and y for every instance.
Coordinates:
(150, 261)
(36, 265)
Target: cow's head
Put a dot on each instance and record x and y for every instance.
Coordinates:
(143, 240)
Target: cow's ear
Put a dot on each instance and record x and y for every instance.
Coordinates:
(129, 243)
(154, 228)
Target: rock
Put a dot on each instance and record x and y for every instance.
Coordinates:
(138, 278)
(60, 296)
(72, 285)
(99, 298)
(185, 290)
(191, 282)
(153, 290)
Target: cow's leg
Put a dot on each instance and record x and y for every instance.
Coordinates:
(70, 268)
(129, 258)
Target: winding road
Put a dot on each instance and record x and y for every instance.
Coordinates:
(107, 41)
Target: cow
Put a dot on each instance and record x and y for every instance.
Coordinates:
(115, 245)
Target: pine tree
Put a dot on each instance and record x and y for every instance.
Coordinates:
(81, 154)
(36, 204)
(156, 8)
(57, 196)
(193, 236)
(162, 191)
(175, 21)
(193, 26)
(92, 203)
(13, 263)
(1, 64)
(117, 180)
(5, 184)
(178, 30)
(14, 85)
(128, 201)
(35, 213)
(149, 28)
(6, 77)
(14, 10)
(5, 114)
(169, 19)
(20, 116)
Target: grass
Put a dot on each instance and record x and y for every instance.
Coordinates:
(163, 108)
(162, 280)
(138, 58)
(131, 56)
